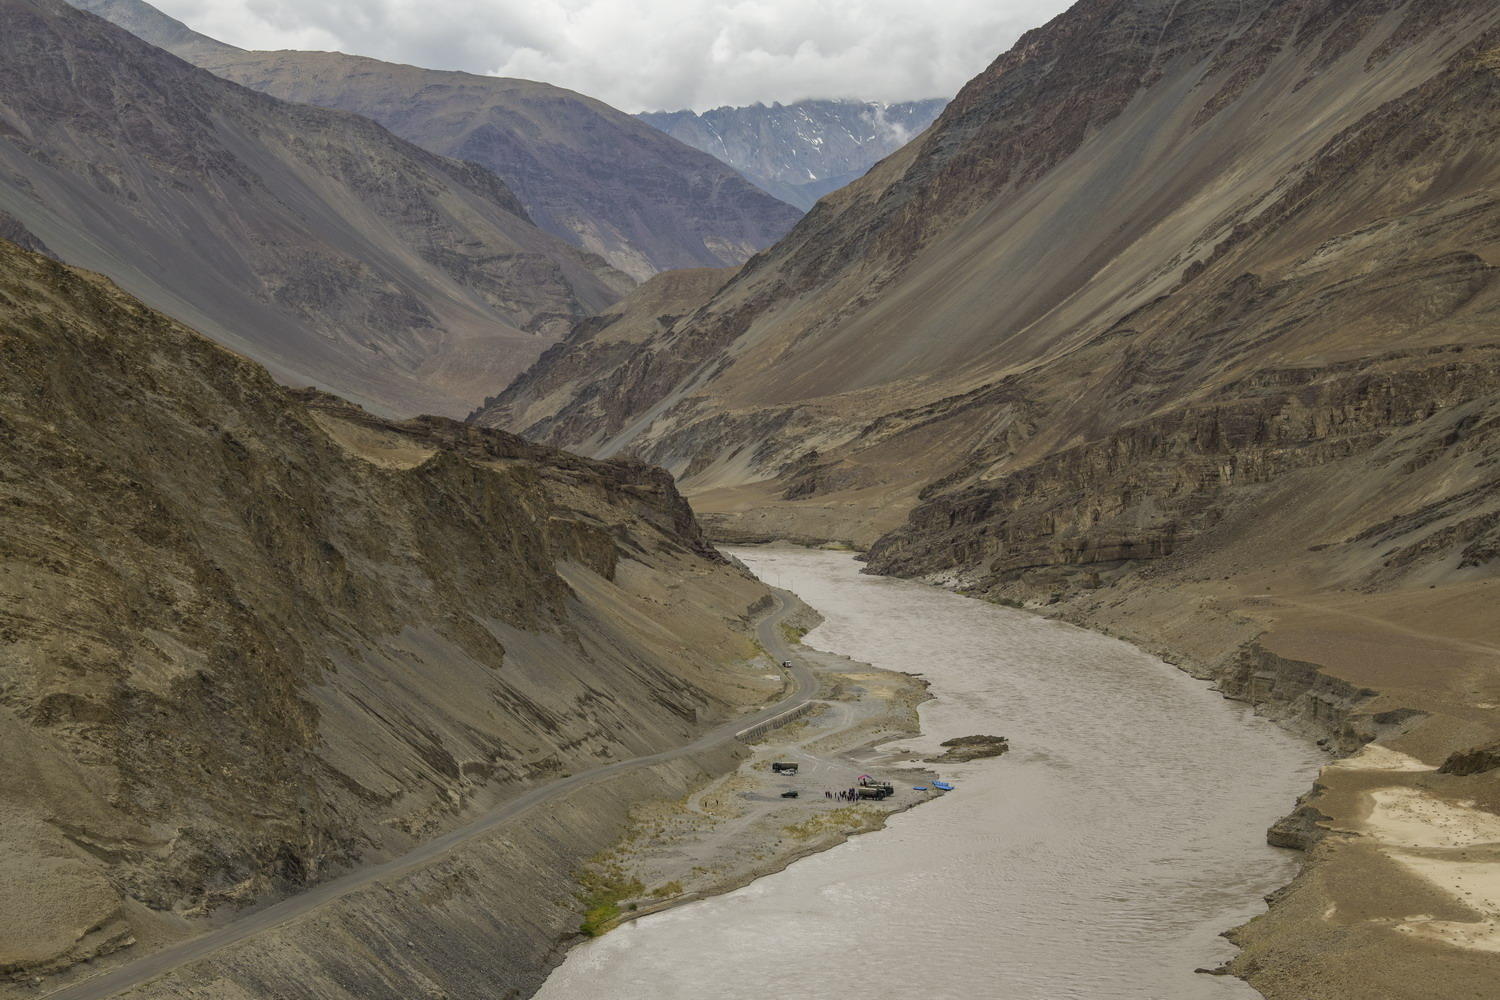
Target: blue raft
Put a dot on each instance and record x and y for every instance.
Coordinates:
(942, 785)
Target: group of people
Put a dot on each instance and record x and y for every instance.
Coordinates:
(847, 795)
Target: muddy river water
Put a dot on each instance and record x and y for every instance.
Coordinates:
(1099, 859)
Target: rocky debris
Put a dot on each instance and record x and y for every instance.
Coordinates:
(1479, 760)
(962, 749)
(1300, 829)
(58, 909)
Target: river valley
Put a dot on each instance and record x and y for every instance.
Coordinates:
(1101, 858)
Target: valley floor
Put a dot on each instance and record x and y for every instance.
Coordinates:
(738, 828)
(1399, 894)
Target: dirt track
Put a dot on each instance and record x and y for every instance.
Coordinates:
(147, 967)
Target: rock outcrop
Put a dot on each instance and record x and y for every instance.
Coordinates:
(249, 636)
(962, 749)
(313, 241)
(1478, 760)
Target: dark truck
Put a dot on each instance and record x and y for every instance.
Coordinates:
(869, 788)
(784, 767)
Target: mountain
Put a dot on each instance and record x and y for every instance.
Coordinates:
(561, 384)
(254, 635)
(313, 241)
(1179, 322)
(1092, 235)
(587, 173)
(145, 21)
(800, 152)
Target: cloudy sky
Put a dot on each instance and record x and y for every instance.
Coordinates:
(654, 54)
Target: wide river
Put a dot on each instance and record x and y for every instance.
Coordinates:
(1100, 858)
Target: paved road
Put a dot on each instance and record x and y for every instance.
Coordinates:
(131, 974)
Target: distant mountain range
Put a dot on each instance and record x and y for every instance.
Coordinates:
(592, 175)
(800, 152)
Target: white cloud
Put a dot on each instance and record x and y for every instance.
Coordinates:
(654, 54)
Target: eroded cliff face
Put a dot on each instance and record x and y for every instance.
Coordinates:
(1386, 315)
(1152, 487)
(250, 636)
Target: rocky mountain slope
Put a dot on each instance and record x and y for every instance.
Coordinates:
(562, 384)
(1094, 237)
(587, 173)
(1181, 322)
(145, 21)
(313, 241)
(800, 152)
(250, 635)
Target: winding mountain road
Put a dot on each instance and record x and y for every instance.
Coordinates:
(147, 967)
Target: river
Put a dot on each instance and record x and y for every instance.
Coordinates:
(1099, 859)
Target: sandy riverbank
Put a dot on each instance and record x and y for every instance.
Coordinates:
(1399, 892)
(737, 828)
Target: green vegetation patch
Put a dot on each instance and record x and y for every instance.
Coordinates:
(604, 889)
(673, 888)
(846, 818)
(794, 633)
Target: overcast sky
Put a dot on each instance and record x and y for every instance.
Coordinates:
(644, 55)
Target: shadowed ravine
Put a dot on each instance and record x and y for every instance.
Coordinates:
(1101, 858)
